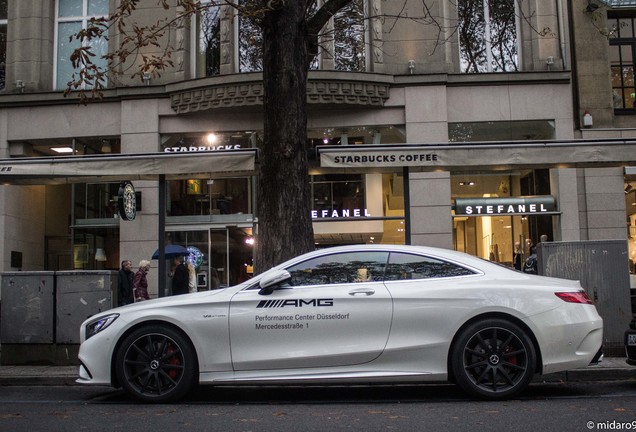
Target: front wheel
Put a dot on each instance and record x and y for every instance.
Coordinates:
(493, 359)
(156, 364)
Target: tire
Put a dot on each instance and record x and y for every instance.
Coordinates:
(493, 359)
(156, 364)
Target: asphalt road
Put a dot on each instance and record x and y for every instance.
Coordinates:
(608, 405)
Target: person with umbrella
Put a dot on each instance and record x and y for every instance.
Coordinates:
(180, 277)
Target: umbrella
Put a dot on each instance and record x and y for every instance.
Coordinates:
(172, 251)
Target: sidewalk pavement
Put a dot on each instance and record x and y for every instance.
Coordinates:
(611, 368)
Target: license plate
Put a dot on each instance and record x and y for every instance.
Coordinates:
(631, 339)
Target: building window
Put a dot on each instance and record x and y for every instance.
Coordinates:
(488, 35)
(345, 38)
(72, 16)
(494, 236)
(250, 44)
(3, 43)
(208, 41)
(338, 195)
(502, 131)
(621, 53)
(357, 135)
(209, 197)
(349, 38)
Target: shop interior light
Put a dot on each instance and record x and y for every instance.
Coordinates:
(62, 149)
(106, 147)
(100, 255)
(212, 138)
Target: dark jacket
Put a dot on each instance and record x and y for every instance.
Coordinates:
(125, 287)
(180, 280)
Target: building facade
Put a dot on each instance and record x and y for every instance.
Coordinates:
(514, 119)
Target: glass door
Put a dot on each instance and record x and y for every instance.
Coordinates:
(222, 256)
(230, 256)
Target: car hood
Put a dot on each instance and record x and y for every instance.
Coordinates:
(164, 301)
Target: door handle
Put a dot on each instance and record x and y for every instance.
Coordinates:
(365, 291)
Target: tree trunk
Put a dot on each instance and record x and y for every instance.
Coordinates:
(284, 220)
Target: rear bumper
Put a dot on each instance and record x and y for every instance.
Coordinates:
(598, 357)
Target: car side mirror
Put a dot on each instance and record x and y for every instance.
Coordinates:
(269, 282)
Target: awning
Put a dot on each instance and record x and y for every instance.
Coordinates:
(108, 168)
(504, 155)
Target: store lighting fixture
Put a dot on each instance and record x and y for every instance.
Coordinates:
(212, 138)
(64, 149)
(106, 148)
(100, 255)
(468, 183)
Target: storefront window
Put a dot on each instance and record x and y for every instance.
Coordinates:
(95, 226)
(96, 201)
(495, 226)
(96, 248)
(205, 197)
(338, 195)
(358, 209)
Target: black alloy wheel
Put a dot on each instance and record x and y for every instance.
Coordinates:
(156, 364)
(493, 359)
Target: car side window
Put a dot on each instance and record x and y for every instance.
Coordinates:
(346, 267)
(403, 266)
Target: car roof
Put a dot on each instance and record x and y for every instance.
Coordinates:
(434, 252)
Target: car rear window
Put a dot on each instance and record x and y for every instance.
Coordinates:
(403, 266)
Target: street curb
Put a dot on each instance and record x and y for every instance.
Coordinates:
(27, 381)
(591, 373)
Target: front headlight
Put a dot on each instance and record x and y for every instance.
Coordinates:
(94, 327)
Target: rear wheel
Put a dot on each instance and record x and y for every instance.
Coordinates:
(493, 359)
(156, 364)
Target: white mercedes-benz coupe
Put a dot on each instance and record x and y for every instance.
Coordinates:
(351, 314)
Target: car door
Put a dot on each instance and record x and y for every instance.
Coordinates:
(335, 311)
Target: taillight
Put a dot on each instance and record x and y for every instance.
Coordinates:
(574, 297)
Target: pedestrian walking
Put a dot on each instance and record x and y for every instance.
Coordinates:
(140, 282)
(125, 284)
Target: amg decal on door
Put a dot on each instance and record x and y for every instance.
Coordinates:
(294, 303)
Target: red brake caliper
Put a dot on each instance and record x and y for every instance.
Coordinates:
(173, 361)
